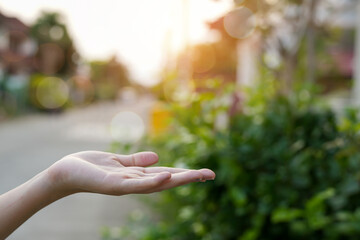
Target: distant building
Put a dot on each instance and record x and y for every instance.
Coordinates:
(17, 54)
(17, 49)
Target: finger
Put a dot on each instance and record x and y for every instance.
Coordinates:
(178, 179)
(135, 172)
(139, 171)
(207, 174)
(143, 185)
(141, 159)
(164, 169)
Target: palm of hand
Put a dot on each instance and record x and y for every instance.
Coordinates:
(113, 174)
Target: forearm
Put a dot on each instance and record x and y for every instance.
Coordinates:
(19, 204)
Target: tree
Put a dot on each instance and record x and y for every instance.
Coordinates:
(56, 51)
(291, 28)
(109, 77)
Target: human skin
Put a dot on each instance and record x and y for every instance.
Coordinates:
(95, 172)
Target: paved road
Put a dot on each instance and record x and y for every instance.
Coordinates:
(30, 144)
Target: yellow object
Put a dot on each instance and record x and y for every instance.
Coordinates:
(160, 119)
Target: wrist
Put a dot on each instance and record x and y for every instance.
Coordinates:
(45, 188)
(56, 183)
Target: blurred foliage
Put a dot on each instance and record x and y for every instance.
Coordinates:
(305, 35)
(108, 78)
(287, 168)
(166, 88)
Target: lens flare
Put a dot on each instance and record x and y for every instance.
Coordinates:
(52, 92)
(240, 22)
(127, 127)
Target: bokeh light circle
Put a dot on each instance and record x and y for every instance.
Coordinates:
(127, 127)
(56, 33)
(272, 59)
(52, 92)
(240, 22)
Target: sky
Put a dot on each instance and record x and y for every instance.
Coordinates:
(140, 33)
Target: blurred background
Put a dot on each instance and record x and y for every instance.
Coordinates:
(265, 92)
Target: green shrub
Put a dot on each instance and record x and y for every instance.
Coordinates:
(286, 169)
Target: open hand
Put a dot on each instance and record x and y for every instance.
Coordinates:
(113, 174)
(91, 171)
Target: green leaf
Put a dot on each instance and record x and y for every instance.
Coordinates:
(285, 215)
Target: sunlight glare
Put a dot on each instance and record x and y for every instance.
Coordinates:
(127, 127)
(240, 22)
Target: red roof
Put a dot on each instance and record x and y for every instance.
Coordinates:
(13, 24)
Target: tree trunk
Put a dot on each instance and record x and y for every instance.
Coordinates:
(310, 43)
(288, 73)
(356, 85)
